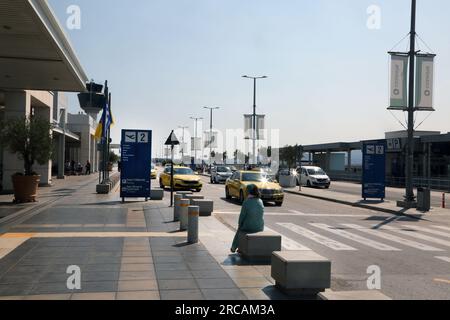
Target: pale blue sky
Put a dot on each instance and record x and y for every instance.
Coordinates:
(328, 73)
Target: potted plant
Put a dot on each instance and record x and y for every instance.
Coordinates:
(30, 138)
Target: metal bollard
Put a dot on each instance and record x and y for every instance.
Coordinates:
(176, 207)
(184, 211)
(194, 212)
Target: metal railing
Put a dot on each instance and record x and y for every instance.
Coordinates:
(435, 183)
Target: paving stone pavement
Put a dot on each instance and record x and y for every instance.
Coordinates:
(124, 251)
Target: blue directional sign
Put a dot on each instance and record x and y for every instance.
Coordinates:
(136, 157)
(374, 170)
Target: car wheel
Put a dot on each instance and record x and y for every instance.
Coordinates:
(161, 185)
(241, 197)
(279, 204)
(308, 184)
(227, 194)
(198, 190)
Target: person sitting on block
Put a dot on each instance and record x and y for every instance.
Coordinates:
(251, 219)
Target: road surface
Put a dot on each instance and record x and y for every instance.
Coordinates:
(412, 255)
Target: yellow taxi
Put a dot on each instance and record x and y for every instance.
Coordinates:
(183, 179)
(236, 186)
(153, 172)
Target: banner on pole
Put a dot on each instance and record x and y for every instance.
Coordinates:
(260, 126)
(211, 141)
(196, 144)
(399, 82)
(248, 126)
(424, 82)
(183, 147)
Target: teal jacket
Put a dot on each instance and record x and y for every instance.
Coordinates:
(251, 219)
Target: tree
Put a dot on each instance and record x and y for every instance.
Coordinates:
(113, 158)
(30, 138)
(291, 155)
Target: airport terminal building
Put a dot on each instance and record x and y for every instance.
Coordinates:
(431, 159)
(38, 64)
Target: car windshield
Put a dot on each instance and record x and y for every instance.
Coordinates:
(223, 169)
(316, 172)
(183, 171)
(256, 177)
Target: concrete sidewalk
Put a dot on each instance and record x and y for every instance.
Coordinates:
(387, 206)
(124, 251)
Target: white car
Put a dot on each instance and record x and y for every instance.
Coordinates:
(313, 177)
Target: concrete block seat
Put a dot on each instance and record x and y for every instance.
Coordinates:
(301, 272)
(258, 247)
(206, 206)
(184, 193)
(192, 197)
(156, 194)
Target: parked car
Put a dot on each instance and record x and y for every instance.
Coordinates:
(220, 174)
(153, 171)
(236, 187)
(313, 177)
(183, 179)
(282, 172)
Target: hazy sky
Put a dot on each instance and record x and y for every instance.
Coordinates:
(328, 72)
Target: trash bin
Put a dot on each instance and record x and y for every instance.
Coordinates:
(423, 199)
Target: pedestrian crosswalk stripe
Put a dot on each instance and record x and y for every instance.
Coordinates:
(289, 244)
(435, 232)
(345, 234)
(393, 238)
(330, 243)
(445, 259)
(442, 228)
(418, 236)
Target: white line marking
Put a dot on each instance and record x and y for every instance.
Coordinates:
(445, 259)
(418, 236)
(442, 228)
(365, 241)
(435, 232)
(288, 243)
(300, 214)
(330, 243)
(390, 237)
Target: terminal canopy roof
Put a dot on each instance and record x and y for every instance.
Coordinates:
(35, 53)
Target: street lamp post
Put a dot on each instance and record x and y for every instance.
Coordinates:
(210, 134)
(195, 137)
(409, 197)
(254, 136)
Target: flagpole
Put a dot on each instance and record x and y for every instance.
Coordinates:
(108, 142)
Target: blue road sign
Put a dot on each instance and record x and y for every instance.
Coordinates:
(136, 157)
(374, 169)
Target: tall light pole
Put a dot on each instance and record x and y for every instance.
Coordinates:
(182, 142)
(195, 136)
(254, 136)
(409, 197)
(210, 133)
